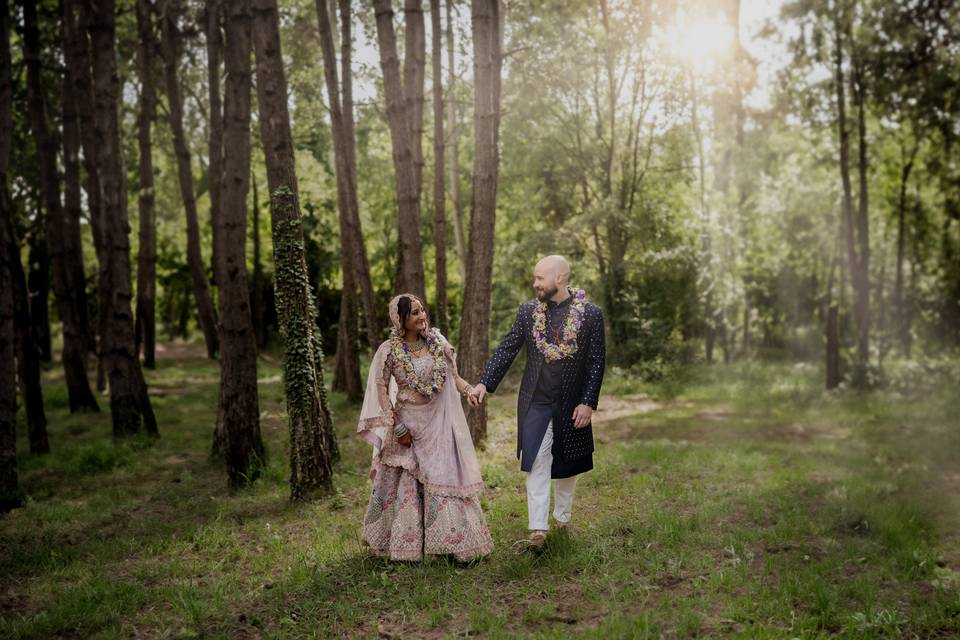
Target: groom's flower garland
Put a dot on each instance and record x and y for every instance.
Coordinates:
(571, 327)
(409, 373)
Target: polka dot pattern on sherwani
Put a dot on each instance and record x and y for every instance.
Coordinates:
(580, 379)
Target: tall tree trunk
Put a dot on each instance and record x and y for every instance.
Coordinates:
(38, 286)
(410, 277)
(371, 315)
(902, 311)
(706, 277)
(213, 14)
(198, 272)
(439, 186)
(453, 125)
(63, 234)
(214, 40)
(861, 276)
(256, 304)
(11, 496)
(77, 59)
(475, 319)
(73, 209)
(346, 375)
(313, 445)
(130, 406)
(414, 74)
(313, 441)
(239, 405)
(145, 329)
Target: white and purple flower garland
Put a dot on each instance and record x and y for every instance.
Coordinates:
(571, 327)
(401, 354)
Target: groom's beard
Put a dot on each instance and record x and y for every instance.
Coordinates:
(545, 294)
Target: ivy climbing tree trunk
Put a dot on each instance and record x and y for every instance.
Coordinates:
(130, 406)
(439, 186)
(62, 230)
(145, 329)
(475, 320)
(410, 277)
(239, 411)
(201, 288)
(313, 446)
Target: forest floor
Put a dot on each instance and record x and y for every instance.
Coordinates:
(735, 500)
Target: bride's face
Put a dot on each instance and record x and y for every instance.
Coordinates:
(417, 320)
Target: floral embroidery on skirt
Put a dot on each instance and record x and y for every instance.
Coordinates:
(405, 521)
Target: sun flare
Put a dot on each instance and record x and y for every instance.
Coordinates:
(699, 40)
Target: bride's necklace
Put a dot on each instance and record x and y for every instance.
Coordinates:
(416, 345)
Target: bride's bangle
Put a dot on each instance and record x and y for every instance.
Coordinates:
(400, 430)
(467, 390)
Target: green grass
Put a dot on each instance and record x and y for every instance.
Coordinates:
(734, 501)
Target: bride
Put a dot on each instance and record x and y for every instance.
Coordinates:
(426, 478)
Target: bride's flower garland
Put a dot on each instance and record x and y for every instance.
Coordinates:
(401, 354)
(571, 327)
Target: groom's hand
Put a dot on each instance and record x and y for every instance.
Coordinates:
(476, 396)
(581, 416)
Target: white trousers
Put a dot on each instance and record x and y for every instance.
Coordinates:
(538, 489)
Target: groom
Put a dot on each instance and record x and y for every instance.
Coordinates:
(564, 336)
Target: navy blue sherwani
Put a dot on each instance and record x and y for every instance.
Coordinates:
(580, 377)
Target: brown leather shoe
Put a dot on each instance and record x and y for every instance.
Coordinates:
(536, 541)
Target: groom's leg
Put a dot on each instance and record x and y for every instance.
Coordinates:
(538, 485)
(563, 499)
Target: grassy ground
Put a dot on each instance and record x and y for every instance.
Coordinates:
(735, 501)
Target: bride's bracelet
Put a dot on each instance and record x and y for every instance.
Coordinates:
(400, 430)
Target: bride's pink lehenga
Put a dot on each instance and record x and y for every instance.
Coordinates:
(426, 497)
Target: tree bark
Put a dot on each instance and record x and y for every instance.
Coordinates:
(346, 375)
(313, 445)
(38, 285)
(370, 312)
(410, 276)
(861, 277)
(145, 329)
(312, 441)
(454, 148)
(201, 287)
(256, 304)
(130, 406)
(77, 59)
(62, 233)
(439, 186)
(239, 404)
(854, 226)
(11, 497)
(475, 319)
(414, 73)
(214, 40)
(902, 311)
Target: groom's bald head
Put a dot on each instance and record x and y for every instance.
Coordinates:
(550, 275)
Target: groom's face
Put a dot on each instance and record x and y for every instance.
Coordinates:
(545, 283)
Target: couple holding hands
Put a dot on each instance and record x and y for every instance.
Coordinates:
(426, 477)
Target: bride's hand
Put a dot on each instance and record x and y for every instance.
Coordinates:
(406, 439)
